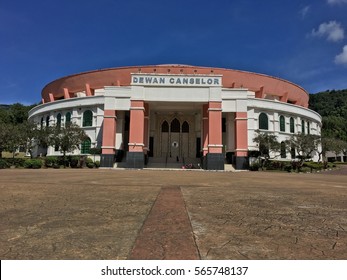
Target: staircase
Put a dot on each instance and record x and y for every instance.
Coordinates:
(171, 163)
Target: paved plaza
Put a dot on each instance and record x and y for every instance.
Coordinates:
(147, 214)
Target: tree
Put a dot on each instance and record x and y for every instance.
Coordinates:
(5, 130)
(338, 146)
(304, 145)
(67, 138)
(268, 145)
(31, 136)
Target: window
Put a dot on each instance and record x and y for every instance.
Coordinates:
(41, 124)
(67, 118)
(292, 152)
(185, 127)
(308, 128)
(47, 121)
(175, 125)
(283, 150)
(282, 124)
(292, 126)
(263, 121)
(59, 120)
(302, 126)
(85, 146)
(87, 118)
(165, 127)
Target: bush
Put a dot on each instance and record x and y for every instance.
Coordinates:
(287, 168)
(4, 164)
(97, 164)
(74, 162)
(17, 162)
(90, 163)
(51, 161)
(254, 167)
(33, 163)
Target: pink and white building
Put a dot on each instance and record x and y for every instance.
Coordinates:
(175, 114)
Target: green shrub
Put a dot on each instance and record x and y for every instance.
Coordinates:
(74, 162)
(17, 162)
(97, 163)
(33, 163)
(89, 163)
(287, 168)
(254, 167)
(3, 164)
(51, 161)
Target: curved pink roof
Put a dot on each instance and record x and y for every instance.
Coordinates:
(259, 83)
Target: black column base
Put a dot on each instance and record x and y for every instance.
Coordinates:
(106, 160)
(213, 162)
(135, 160)
(241, 163)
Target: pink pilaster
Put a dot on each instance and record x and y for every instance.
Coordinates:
(205, 129)
(215, 127)
(146, 124)
(137, 126)
(109, 132)
(241, 134)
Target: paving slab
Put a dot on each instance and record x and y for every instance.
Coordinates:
(99, 214)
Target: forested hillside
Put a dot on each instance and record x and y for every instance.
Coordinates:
(15, 113)
(332, 106)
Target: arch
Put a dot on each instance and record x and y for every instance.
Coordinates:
(68, 118)
(47, 121)
(165, 127)
(283, 150)
(292, 125)
(87, 118)
(185, 127)
(175, 125)
(41, 124)
(263, 121)
(59, 120)
(85, 146)
(282, 124)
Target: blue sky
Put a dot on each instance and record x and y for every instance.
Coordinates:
(41, 40)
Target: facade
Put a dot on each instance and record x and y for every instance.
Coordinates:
(179, 114)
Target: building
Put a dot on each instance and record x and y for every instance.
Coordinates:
(176, 113)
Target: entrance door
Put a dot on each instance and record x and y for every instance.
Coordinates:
(175, 139)
(175, 147)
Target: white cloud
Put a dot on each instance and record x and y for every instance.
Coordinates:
(303, 12)
(332, 2)
(342, 57)
(332, 30)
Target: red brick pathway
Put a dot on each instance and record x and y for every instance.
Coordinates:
(166, 233)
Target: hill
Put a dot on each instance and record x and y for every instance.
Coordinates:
(332, 106)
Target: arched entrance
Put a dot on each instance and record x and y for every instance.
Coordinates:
(175, 138)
